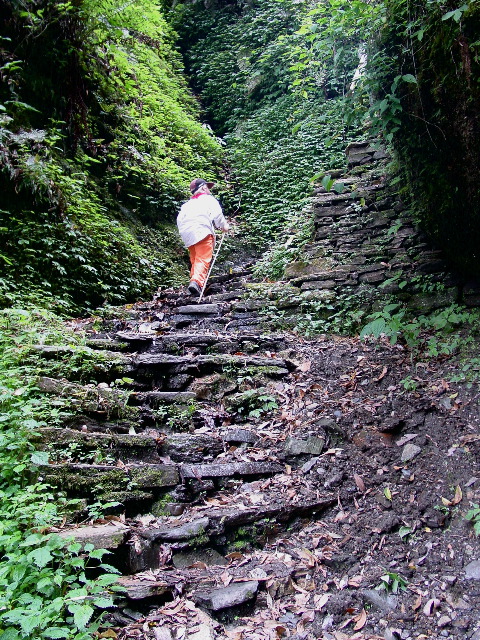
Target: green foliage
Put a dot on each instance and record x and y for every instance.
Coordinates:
(473, 515)
(253, 403)
(434, 47)
(175, 417)
(274, 161)
(433, 335)
(276, 140)
(237, 55)
(86, 163)
(298, 230)
(45, 591)
(469, 372)
(340, 314)
(392, 583)
(418, 84)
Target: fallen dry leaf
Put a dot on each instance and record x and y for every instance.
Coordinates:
(360, 620)
(306, 555)
(458, 496)
(305, 366)
(320, 601)
(359, 482)
(226, 578)
(355, 581)
(235, 555)
(346, 623)
(417, 604)
(382, 375)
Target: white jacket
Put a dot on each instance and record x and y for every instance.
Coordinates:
(197, 218)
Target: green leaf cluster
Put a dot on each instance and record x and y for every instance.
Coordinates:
(99, 137)
(45, 588)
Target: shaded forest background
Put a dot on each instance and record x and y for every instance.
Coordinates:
(101, 129)
(108, 110)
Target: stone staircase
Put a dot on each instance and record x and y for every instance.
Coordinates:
(178, 452)
(186, 431)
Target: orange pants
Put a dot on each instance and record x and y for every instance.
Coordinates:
(200, 258)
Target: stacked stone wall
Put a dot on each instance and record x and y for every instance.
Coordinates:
(367, 244)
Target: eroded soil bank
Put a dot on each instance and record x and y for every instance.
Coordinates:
(393, 556)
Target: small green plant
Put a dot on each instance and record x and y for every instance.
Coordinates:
(474, 517)
(175, 418)
(405, 533)
(98, 509)
(253, 403)
(392, 583)
(409, 384)
(469, 372)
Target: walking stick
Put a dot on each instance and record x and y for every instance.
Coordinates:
(211, 267)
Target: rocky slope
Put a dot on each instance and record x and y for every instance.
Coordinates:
(263, 485)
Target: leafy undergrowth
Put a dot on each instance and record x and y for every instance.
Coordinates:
(277, 137)
(45, 588)
(93, 169)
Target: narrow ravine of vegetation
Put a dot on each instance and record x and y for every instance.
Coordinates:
(108, 110)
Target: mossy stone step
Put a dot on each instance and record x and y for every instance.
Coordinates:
(203, 309)
(208, 363)
(135, 336)
(227, 296)
(70, 443)
(156, 398)
(104, 536)
(104, 344)
(52, 351)
(89, 398)
(101, 480)
(180, 533)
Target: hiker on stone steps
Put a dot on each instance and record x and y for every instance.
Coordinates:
(196, 222)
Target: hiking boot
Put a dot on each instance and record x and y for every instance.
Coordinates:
(194, 288)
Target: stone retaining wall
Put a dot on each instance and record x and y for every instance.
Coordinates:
(367, 245)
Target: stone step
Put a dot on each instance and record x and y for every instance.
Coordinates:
(156, 369)
(203, 309)
(102, 536)
(72, 446)
(229, 277)
(94, 399)
(216, 529)
(124, 483)
(56, 351)
(156, 398)
(106, 344)
(137, 546)
(226, 296)
(248, 341)
(203, 364)
(230, 469)
(131, 483)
